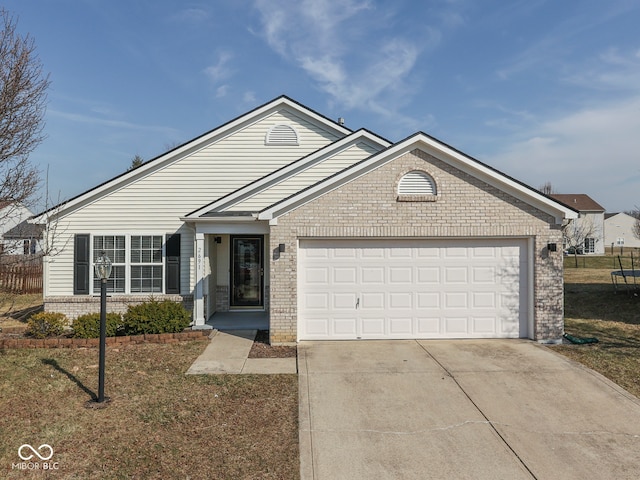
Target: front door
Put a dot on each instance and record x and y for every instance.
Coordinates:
(247, 271)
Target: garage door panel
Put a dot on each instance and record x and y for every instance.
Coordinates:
(344, 275)
(454, 300)
(400, 326)
(317, 275)
(400, 275)
(345, 327)
(483, 300)
(344, 301)
(428, 327)
(373, 327)
(428, 275)
(454, 325)
(412, 288)
(373, 275)
(455, 275)
(428, 300)
(484, 325)
(372, 300)
(317, 301)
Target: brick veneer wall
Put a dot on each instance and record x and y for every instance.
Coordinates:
(74, 306)
(464, 207)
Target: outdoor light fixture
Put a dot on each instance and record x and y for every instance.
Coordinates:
(281, 247)
(552, 247)
(103, 271)
(218, 239)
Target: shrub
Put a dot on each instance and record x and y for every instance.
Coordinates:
(156, 317)
(46, 324)
(88, 326)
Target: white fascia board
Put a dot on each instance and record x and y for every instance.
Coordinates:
(168, 158)
(438, 150)
(290, 170)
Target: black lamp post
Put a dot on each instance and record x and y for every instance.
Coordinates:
(103, 271)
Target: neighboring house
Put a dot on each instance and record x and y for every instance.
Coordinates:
(337, 234)
(14, 230)
(618, 231)
(588, 228)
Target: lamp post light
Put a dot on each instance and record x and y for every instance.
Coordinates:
(103, 271)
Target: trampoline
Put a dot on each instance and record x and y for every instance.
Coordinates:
(626, 275)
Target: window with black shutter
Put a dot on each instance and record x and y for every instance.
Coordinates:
(172, 255)
(81, 264)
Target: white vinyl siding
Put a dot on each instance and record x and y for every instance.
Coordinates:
(306, 178)
(155, 202)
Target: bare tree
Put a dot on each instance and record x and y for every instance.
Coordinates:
(547, 188)
(636, 226)
(575, 232)
(23, 87)
(23, 96)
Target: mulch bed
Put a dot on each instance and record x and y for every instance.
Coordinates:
(262, 349)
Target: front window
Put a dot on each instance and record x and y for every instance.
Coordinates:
(146, 264)
(137, 263)
(114, 247)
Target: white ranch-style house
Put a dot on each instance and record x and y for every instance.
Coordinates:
(331, 233)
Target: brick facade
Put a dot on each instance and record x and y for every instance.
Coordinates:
(464, 207)
(74, 306)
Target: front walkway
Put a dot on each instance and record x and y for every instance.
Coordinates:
(228, 352)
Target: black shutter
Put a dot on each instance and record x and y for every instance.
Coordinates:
(81, 264)
(172, 253)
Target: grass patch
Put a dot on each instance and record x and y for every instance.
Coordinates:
(592, 309)
(16, 309)
(161, 423)
(602, 261)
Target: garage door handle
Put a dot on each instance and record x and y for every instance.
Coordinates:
(357, 303)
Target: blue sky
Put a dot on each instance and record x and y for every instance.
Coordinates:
(541, 90)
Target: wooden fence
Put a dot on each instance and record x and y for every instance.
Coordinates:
(21, 277)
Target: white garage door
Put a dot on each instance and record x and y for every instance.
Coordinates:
(350, 289)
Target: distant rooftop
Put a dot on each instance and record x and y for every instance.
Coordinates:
(578, 201)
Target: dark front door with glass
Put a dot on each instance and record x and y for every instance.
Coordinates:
(247, 271)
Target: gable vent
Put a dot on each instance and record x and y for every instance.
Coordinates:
(416, 183)
(282, 135)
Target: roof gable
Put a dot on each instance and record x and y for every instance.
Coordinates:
(439, 150)
(283, 104)
(295, 176)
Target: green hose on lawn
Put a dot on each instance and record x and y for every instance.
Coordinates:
(579, 340)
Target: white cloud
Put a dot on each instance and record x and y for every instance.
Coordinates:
(593, 151)
(116, 124)
(345, 47)
(220, 71)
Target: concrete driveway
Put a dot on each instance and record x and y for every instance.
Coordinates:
(488, 409)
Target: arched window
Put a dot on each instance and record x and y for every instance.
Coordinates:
(282, 135)
(416, 183)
